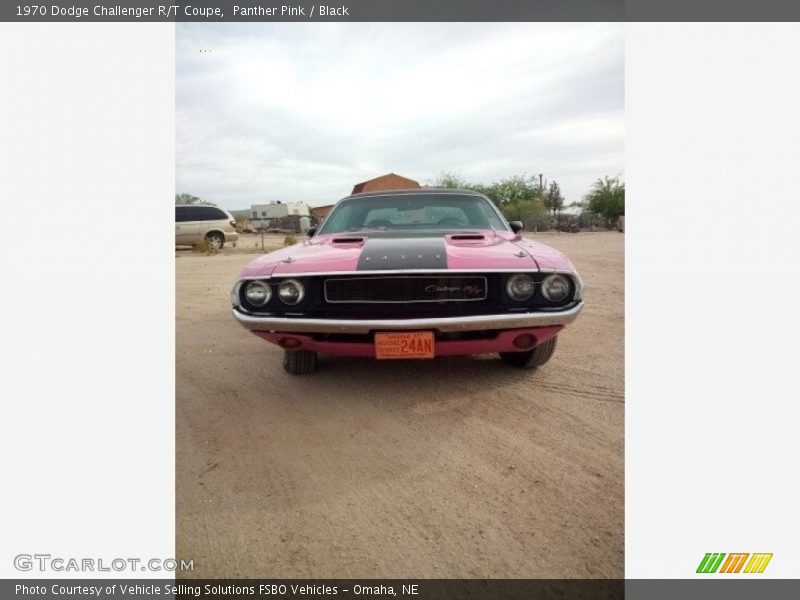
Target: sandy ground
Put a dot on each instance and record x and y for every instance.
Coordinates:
(250, 243)
(459, 467)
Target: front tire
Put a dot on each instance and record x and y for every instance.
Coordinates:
(215, 240)
(299, 362)
(532, 358)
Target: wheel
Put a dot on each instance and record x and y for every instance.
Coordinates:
(532, 358)
(300, 362)
(215, 240)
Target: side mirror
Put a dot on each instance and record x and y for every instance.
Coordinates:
(516, 226)
(311, 231)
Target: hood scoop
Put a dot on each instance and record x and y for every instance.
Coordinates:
(348, 240)
(466, 239)
(473, 237)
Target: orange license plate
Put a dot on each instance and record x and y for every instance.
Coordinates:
(399, 345)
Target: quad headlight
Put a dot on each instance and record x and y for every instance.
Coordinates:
(555, 288)
(520, 287)
(257, 293)
(291, 292)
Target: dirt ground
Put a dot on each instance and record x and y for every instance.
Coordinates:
(453, 468)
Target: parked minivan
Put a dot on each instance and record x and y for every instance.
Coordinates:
(197, 222)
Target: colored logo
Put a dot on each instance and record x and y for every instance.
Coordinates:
(734, 563)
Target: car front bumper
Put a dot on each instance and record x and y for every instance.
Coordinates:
(504, 341)
(442, 324)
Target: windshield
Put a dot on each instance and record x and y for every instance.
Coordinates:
(411, 212)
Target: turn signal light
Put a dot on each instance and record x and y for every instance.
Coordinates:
(525, 341)
(289, 343)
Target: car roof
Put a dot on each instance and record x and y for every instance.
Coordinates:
(415, 191)
(196, 205)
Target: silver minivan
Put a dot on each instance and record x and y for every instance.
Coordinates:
(195, 223)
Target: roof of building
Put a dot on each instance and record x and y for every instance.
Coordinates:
(359, 187)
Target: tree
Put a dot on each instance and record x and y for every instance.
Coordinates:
(452, 181)
(554, 200)
(519, 198)
(513, 190)
(607, 198)
(186, 199)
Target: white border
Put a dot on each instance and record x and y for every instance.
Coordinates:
(713, 213)
(87, 159)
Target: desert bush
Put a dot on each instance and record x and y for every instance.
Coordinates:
(203, 247)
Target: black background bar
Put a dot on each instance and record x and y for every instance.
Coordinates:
(708, 587)
(399, 10)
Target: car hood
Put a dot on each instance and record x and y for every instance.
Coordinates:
(548, 258)
(473, 250)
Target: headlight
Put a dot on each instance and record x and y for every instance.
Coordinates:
(555, 288)
(257, 293)
(291, 292)
(520, 287)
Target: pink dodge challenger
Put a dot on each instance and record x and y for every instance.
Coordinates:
(410, 274)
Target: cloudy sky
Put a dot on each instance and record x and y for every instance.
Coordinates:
(302, 112)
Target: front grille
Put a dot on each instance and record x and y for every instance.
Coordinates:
(405, 289)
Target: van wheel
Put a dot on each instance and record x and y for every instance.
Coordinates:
(300, 362)
(215, 240)
(532, 358)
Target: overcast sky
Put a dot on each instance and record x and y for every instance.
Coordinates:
(302, 112)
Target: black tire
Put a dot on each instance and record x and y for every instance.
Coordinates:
(215, 240)
(299, 362)
(532, 358)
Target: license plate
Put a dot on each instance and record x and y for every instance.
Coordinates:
(410, 344)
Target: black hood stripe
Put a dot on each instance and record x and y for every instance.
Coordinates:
(381, 254)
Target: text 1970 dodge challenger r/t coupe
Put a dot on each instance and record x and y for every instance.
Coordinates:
(410, 274)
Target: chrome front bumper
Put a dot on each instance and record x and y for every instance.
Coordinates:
(472, 323)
